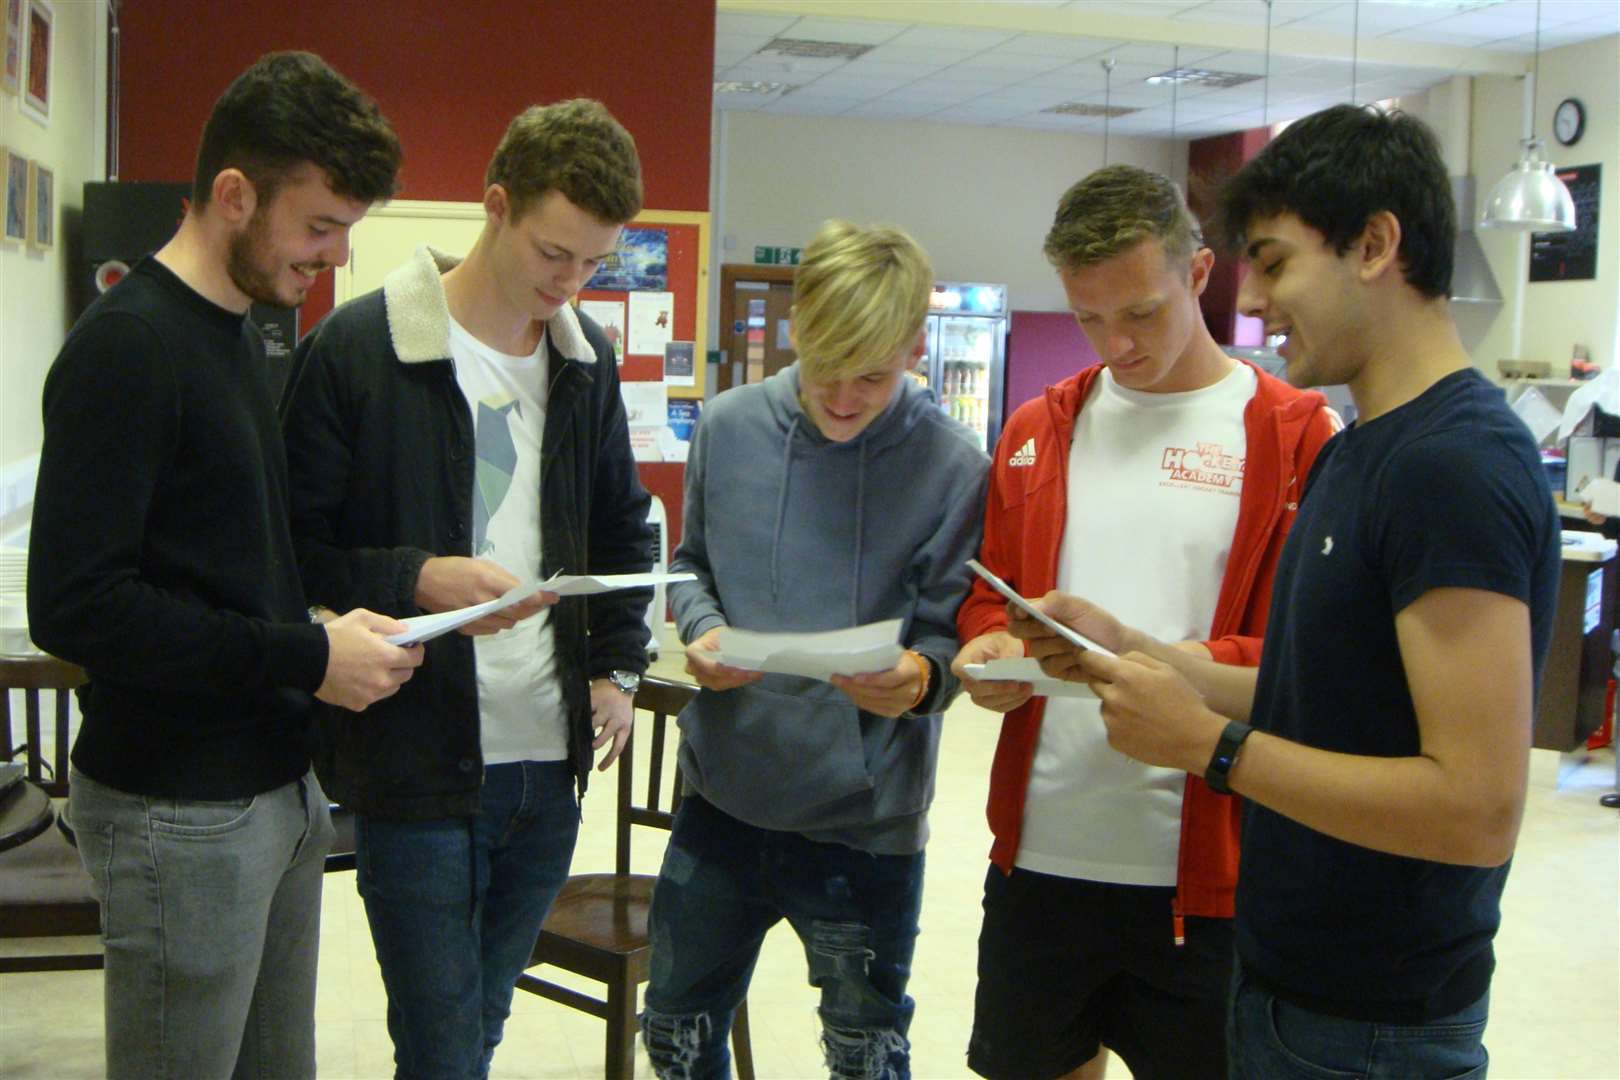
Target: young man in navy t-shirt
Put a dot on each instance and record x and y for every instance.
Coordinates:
(1411, 613)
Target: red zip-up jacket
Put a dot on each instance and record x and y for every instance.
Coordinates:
(1023, 530)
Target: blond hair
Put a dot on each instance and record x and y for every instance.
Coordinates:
(1114, 209)
(575, 147)
(859, 298)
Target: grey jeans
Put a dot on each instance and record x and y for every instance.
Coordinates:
(211, 917)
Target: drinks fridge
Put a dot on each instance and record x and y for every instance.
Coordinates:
(967, 350)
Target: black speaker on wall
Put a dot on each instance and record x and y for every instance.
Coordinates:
(124, 222)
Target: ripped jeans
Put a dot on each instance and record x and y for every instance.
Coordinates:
(723, 885)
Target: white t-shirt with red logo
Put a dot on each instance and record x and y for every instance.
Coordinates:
(1153, 486)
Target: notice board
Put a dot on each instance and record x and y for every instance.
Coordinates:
(1571, 256)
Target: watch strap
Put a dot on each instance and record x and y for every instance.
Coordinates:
(1219, 770)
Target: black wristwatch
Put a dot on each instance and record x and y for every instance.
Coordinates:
(1225, 756)
(627, 681)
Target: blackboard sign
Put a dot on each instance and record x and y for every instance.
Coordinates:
(1571, 256)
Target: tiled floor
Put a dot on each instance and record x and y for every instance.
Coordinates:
(1555, 1010)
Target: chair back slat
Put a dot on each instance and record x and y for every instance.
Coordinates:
(663, 699)
(47, 761)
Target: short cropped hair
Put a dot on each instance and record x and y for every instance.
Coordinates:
(1114, 209)
(575, 147)
(859, 298)
(1335, 169)
(290, 108)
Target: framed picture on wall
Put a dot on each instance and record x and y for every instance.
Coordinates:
(14, 199)
(11, 43)
(41, 206)
(36, 80)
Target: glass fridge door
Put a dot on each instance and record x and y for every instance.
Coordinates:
(968, 351)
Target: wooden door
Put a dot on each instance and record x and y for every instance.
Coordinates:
(756, 303)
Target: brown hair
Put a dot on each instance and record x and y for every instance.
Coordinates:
(1114, 209)
(290, 108)
(575, 147)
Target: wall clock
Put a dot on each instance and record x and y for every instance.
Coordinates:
(1569, 121)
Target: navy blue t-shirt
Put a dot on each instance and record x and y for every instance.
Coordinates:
(1445, 491)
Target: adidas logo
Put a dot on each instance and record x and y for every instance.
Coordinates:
(1024, 456)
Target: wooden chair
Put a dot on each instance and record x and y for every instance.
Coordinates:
(598, 925)
(44, 888)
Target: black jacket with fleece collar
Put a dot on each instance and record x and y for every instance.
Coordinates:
(381, 471)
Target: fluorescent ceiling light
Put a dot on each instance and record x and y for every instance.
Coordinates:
(1077, 108)
(1219, 80)
(733, 87)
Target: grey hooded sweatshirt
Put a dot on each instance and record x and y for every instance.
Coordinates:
(789, 531)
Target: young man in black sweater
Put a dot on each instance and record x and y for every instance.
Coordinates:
(160, 560)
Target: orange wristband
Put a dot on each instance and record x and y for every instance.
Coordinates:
(922, 676)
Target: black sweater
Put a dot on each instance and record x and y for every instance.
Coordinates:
(159, 555)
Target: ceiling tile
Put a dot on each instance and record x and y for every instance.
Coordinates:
(734, 22)
(950, 37)
(1074, 48)
(849, 31)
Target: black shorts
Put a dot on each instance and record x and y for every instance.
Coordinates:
(1068, 965)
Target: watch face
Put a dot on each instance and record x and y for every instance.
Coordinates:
(1568, 121)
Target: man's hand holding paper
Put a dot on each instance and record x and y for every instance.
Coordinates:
(709, 672)
(453, 582)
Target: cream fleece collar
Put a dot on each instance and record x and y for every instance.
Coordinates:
(419, 317)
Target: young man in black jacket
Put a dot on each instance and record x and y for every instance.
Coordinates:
(160, 560)
(452, 433)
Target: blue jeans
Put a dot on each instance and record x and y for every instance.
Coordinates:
(455, 906)
(1269, 1037)
(723, 885)
(211, 917)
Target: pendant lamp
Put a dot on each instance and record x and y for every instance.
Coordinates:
(1108, 102)
(1530, 196)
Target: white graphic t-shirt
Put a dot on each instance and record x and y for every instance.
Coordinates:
(519, 702)
(1153, 490)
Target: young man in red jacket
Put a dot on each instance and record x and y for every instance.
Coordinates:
(1164, 478)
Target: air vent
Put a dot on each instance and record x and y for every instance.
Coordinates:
(1076, 108)
(762, 88)
(1216, 80)
(805, 49)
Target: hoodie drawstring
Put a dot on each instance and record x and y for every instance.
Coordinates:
(860, 536)
(781, 509)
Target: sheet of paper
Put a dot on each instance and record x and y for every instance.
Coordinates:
(1072, 636)
(591, 584)
(1028, 669)
(1602, 495)
(652, 323)
(427, 627)
(422, 628)
(609, 315)
(855, 651)
(646, 403)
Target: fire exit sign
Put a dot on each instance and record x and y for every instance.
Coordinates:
(777, 256)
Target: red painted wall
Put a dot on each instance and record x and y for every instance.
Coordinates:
(1209, 162)
(449, 76)
(1043, 347)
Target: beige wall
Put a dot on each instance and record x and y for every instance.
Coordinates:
(34, 312)
(1559, 314)
(979, 199)
(1544, 320)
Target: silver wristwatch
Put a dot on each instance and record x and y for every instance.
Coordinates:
(627, 681)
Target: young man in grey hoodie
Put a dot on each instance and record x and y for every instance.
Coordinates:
(834, 493)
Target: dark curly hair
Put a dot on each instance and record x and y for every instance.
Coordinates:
(290, 108)
(1334, 170)
(575, 147)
